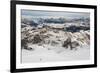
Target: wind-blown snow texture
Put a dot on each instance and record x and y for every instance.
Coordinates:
(54, 39)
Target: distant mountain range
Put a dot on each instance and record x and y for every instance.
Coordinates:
(37, 21)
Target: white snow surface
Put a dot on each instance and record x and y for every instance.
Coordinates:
(48, 53)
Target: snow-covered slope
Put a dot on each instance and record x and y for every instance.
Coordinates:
(44, 42)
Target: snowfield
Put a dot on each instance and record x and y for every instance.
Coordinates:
(50, 54)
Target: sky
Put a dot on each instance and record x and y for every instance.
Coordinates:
(55, 13)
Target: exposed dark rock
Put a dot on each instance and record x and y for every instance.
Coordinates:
(55, 21)
(88, 36)
(37, 39)
(57, 37)
(76, 28)
(24, 43)
(29, 22)
(67, 43)
(58, 40)
(22, 26)
(53, 43)
(29, 48)
(46, 41)
(71, 44)
(75, 44)
(43, 31)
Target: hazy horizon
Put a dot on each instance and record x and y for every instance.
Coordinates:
(41, 13)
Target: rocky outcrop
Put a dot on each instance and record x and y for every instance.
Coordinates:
(24, 44)
(55, 37)
(67, 43)
(37, 39)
